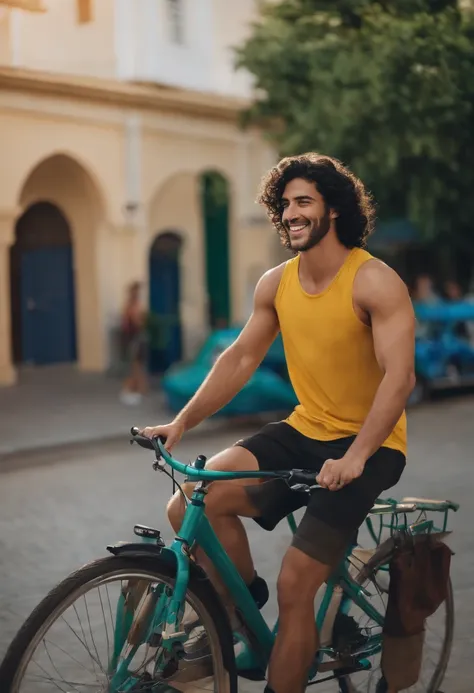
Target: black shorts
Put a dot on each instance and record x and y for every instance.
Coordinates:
(332, 518)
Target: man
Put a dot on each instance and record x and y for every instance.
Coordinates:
(348, 331)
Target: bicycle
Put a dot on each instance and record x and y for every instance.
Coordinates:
(171, 631)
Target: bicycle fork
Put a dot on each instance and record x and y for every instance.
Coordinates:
(155, 624)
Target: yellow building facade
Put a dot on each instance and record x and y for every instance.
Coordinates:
(103, 155)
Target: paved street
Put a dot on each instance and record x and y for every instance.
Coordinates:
(44, 402)
(61, 510)
(59, 405)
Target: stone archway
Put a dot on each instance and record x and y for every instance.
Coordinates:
(42, 288)
(176, 205)
(64, 184)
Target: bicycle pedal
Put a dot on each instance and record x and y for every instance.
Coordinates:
(338, 665)
(344, 666)
(246, 661)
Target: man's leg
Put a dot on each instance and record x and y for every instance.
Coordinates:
(322, 537)
(297, 640)
(225, 500)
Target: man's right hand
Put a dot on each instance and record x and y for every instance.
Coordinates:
(171, 433)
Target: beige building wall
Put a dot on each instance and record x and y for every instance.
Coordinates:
(113, 117)
(191, 47)
(57, 41)
(5, 36)
(123, 165)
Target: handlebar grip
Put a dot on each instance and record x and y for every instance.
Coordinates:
(141, 440)
(145, 442)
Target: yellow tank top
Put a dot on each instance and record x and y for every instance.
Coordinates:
(330, 356)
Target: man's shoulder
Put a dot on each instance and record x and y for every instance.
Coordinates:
(272, 277)
(268, 284)
(377, 282)
(375, 273)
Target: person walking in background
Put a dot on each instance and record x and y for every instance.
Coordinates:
(453, 290)
(133, 334)
(424, 291)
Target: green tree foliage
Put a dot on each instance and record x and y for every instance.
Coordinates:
(387, 86)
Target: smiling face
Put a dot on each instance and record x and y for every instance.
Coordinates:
(305, 215)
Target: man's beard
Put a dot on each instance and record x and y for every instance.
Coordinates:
(317, 233)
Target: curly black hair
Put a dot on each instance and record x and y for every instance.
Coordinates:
(341, 190)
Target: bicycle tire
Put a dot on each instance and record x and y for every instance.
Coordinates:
(381, 558)
(200, 589)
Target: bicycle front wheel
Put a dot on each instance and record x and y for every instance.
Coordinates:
(99, 630)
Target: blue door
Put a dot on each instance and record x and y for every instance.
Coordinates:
(47, 305)
(164, 304)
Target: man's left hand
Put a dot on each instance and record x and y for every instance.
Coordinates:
(335, 474)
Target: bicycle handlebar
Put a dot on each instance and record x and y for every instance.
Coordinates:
(298, 476)
(300, 479)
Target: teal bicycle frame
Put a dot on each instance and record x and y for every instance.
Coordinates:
(196, 529)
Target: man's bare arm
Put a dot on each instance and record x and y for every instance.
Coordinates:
(238, 362)
(380, 292)
(382, 295)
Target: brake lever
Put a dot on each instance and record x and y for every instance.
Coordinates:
(159, 465)
(301, 487)
(305, 488)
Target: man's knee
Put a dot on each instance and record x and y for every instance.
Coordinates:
(222, 496)
(299, 579)
(176, 509)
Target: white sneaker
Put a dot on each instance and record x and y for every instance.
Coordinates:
(130, 398)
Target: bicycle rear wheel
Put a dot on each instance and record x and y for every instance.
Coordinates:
(71, 626)
(438, 637)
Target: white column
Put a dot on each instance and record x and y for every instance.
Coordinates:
(242, 208)
(193, 304)
(134, 218)
(133, 163)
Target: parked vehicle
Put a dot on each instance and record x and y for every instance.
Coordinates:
(267, 390)
(444, 358)
(444, 348)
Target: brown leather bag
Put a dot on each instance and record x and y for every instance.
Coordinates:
(419, 579)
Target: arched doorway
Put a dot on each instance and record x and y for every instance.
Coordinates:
(165, 289)
(42, 288)
(64, 183)
(215, 209)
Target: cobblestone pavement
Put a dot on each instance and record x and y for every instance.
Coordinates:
(61, 510)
